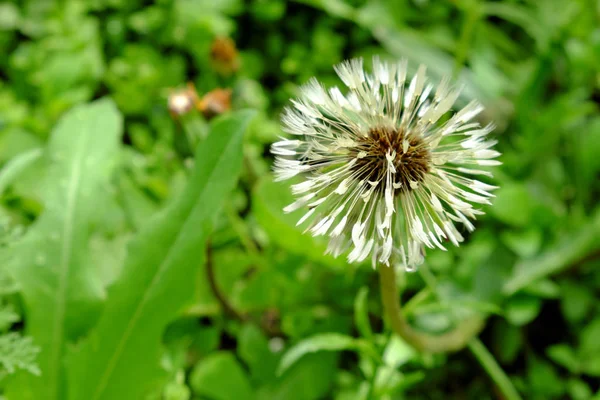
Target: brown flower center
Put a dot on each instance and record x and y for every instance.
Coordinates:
(411, 159)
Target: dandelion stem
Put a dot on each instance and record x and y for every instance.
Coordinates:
(454, 340)
(480, 352)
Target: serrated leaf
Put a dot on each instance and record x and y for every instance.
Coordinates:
(121, 358)
(18, 353)
(8, 316)
(61, 293)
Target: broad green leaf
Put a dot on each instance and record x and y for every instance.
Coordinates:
(571, 248)
(17, 165)
(221, 377)
(309, 379)
(543, 379)
(121, 357)
(591, 366)
(523, 243)
(253, 349)
(565, 356)
(61, 291)
(17, 141)
(513, 204)
(507, 341)
(336, 8)
(576, 300)
(397, 352)
(589, 337)
(579, 389)
(320, 342)
(268, 201)
(522, 309)
(544, 288)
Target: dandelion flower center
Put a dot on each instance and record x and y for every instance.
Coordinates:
(409, 155)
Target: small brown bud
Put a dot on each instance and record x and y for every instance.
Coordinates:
(224, 56)
(215, 102)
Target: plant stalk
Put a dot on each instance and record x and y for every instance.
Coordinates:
(454, 340)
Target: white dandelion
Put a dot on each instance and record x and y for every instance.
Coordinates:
(382, 176)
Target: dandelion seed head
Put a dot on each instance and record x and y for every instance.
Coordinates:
(384, 175)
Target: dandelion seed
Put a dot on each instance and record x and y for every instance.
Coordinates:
(383, 177)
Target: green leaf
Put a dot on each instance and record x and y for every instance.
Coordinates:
(309, 379)
(576, 300)
(513, 204)
(336, 8)
(579, 389)
(591, 366)
(520, 16)
(221, 377)
(397, 352)
(543, 380)
(361, 313)
(268, 201)
(62, 295)
(564, 355)
(321, 342)
(589, 337)
(523, 243)
(507, 341)
(544, 288)
(522, 309)
(121, 358)
(253, 349)
(571, 248)
(17, 165)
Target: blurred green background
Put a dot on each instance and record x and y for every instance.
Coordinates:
(119, 280)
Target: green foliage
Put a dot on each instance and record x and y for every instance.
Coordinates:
(220, 376)
(18, 352)
(59, 284)
(155, 283)
(145, 254)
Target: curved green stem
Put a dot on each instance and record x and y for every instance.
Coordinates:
(454, 340)
(485, 358)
